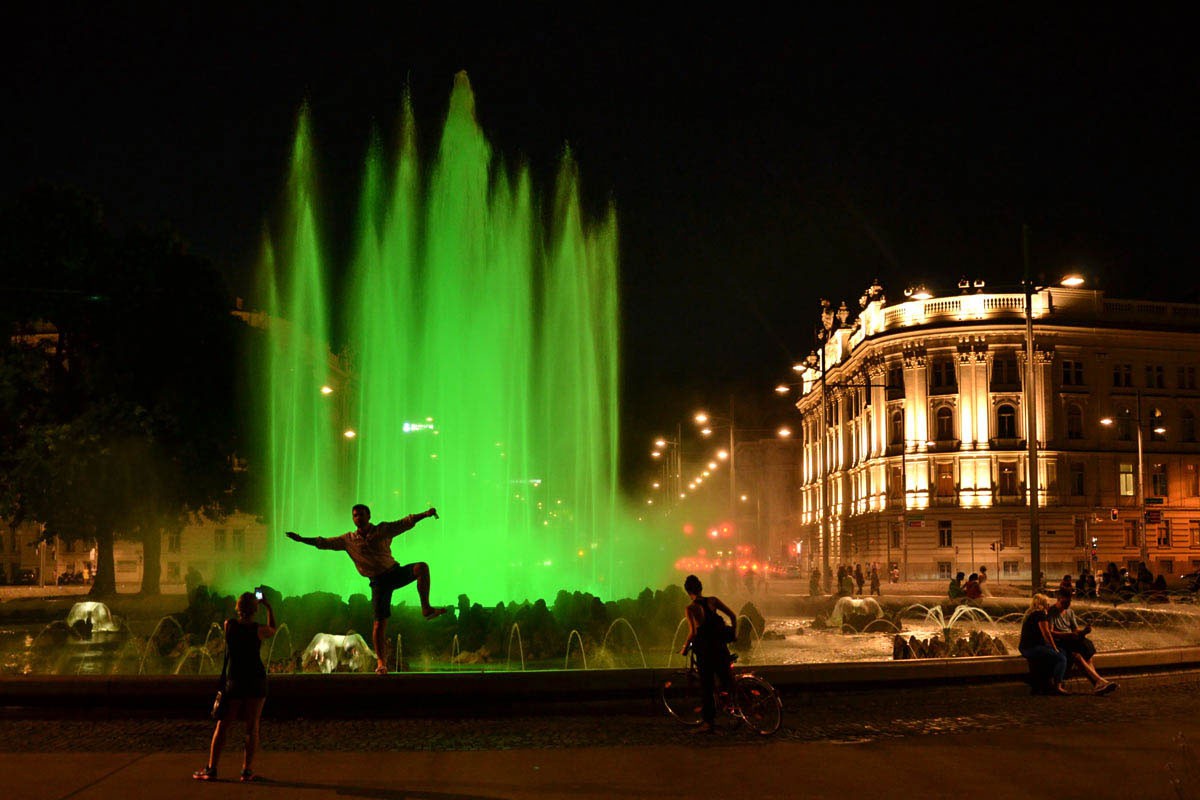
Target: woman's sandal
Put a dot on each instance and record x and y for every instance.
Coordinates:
(206, 774)
(1108, 688)
(249, 777)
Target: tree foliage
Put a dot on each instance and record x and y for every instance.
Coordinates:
(117, 379)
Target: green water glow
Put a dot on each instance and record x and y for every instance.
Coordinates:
(489, 321)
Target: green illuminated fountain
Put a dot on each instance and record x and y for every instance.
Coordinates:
(479, 375)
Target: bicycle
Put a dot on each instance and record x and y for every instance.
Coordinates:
(753, 700)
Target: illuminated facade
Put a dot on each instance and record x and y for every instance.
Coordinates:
(919, 456)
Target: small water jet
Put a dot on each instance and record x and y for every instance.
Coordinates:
(574, 635)
(516, 631)
(604, 643)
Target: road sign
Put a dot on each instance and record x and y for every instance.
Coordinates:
(916, 523)
(1153, 517)
(1153, 501)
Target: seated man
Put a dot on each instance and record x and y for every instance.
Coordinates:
(1073, 641)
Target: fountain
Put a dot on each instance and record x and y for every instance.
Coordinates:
(574, 635)
(515, 631)
(477, 333)
(637, 643)
(94, 615)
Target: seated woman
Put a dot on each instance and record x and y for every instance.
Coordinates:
(1046, 661)
(973, 590)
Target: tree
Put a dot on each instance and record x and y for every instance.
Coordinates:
(118, 385)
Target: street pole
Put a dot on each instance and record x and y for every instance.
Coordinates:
(1144, 545)
(1031, 467)
(904, 493)
(733, 481)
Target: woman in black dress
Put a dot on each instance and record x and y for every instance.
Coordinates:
(245, 688)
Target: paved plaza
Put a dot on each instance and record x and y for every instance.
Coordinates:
(991, 741)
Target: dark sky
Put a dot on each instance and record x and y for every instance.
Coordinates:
(758, 162)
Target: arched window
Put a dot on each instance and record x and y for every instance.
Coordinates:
(1074, 422)
(1006, 422)
(1187, 426)
(896, 428)
(945, 424)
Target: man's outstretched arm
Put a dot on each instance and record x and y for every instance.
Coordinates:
(319, 542)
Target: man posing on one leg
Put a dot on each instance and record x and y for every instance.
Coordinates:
(370, 548)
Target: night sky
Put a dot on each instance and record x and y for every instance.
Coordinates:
(757, 164)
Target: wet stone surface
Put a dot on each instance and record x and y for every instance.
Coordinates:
(842, 717)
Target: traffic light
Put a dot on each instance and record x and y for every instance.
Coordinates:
(992, 545)
(1113, 514)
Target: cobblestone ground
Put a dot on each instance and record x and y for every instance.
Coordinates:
(841, 717)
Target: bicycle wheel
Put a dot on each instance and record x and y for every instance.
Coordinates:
(759, 703)
(680, 694)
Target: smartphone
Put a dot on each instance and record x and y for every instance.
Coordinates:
(258, 593)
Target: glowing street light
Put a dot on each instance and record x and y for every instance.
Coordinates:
(350, 434)
(326, 390)
(784, 432)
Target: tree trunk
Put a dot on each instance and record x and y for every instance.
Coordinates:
(152, 562)
(105, 583)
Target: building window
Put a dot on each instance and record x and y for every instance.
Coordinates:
(1154, 376)
(945, 533)
(945, 424)
(897, 483)
(1131, 535)
(896, 529)
(173, 539)
(1010, 568)
(173, 571)
(220, 538)
(1124, 425)
(1166, 566)
(1074, 422)
(1164, 534)
(1194, 532)
(1125, 477)
(1072, 373)
(1080, 532)
(68, 545)
(1187, 377)
(1077, 484)
(1006, 422)
(896, 428)
(942, 377)
(1004, 372)
(239, 539)
(1158, 480)
(1008, 533)
(945, 480)
(1122, 374)
(1191, 480)
(1187, 426)
(1008, 478)
(943, 568)
(1158, 426)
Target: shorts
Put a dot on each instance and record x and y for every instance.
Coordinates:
(383, 585)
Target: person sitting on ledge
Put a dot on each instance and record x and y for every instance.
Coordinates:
(1047, 663)
(1073, 641)
(955, 590)
(972, 590)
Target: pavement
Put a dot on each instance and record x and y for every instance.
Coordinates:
(993, 741)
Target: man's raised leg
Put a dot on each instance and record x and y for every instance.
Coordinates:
(421, 570)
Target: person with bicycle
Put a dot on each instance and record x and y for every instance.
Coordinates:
(708, 638)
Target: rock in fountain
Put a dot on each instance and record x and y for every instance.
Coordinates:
(328, 652)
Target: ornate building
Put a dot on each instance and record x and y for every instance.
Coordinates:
(914, 431)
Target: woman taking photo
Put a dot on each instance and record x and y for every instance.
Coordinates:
(245, 688)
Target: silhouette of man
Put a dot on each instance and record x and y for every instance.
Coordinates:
(370, 548)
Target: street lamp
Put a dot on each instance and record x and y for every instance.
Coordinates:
(1035, 545)
(703, 419)
(1140, 522)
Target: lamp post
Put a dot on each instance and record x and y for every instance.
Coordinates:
(1031, 468)
(673, 465)
(703, 418)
